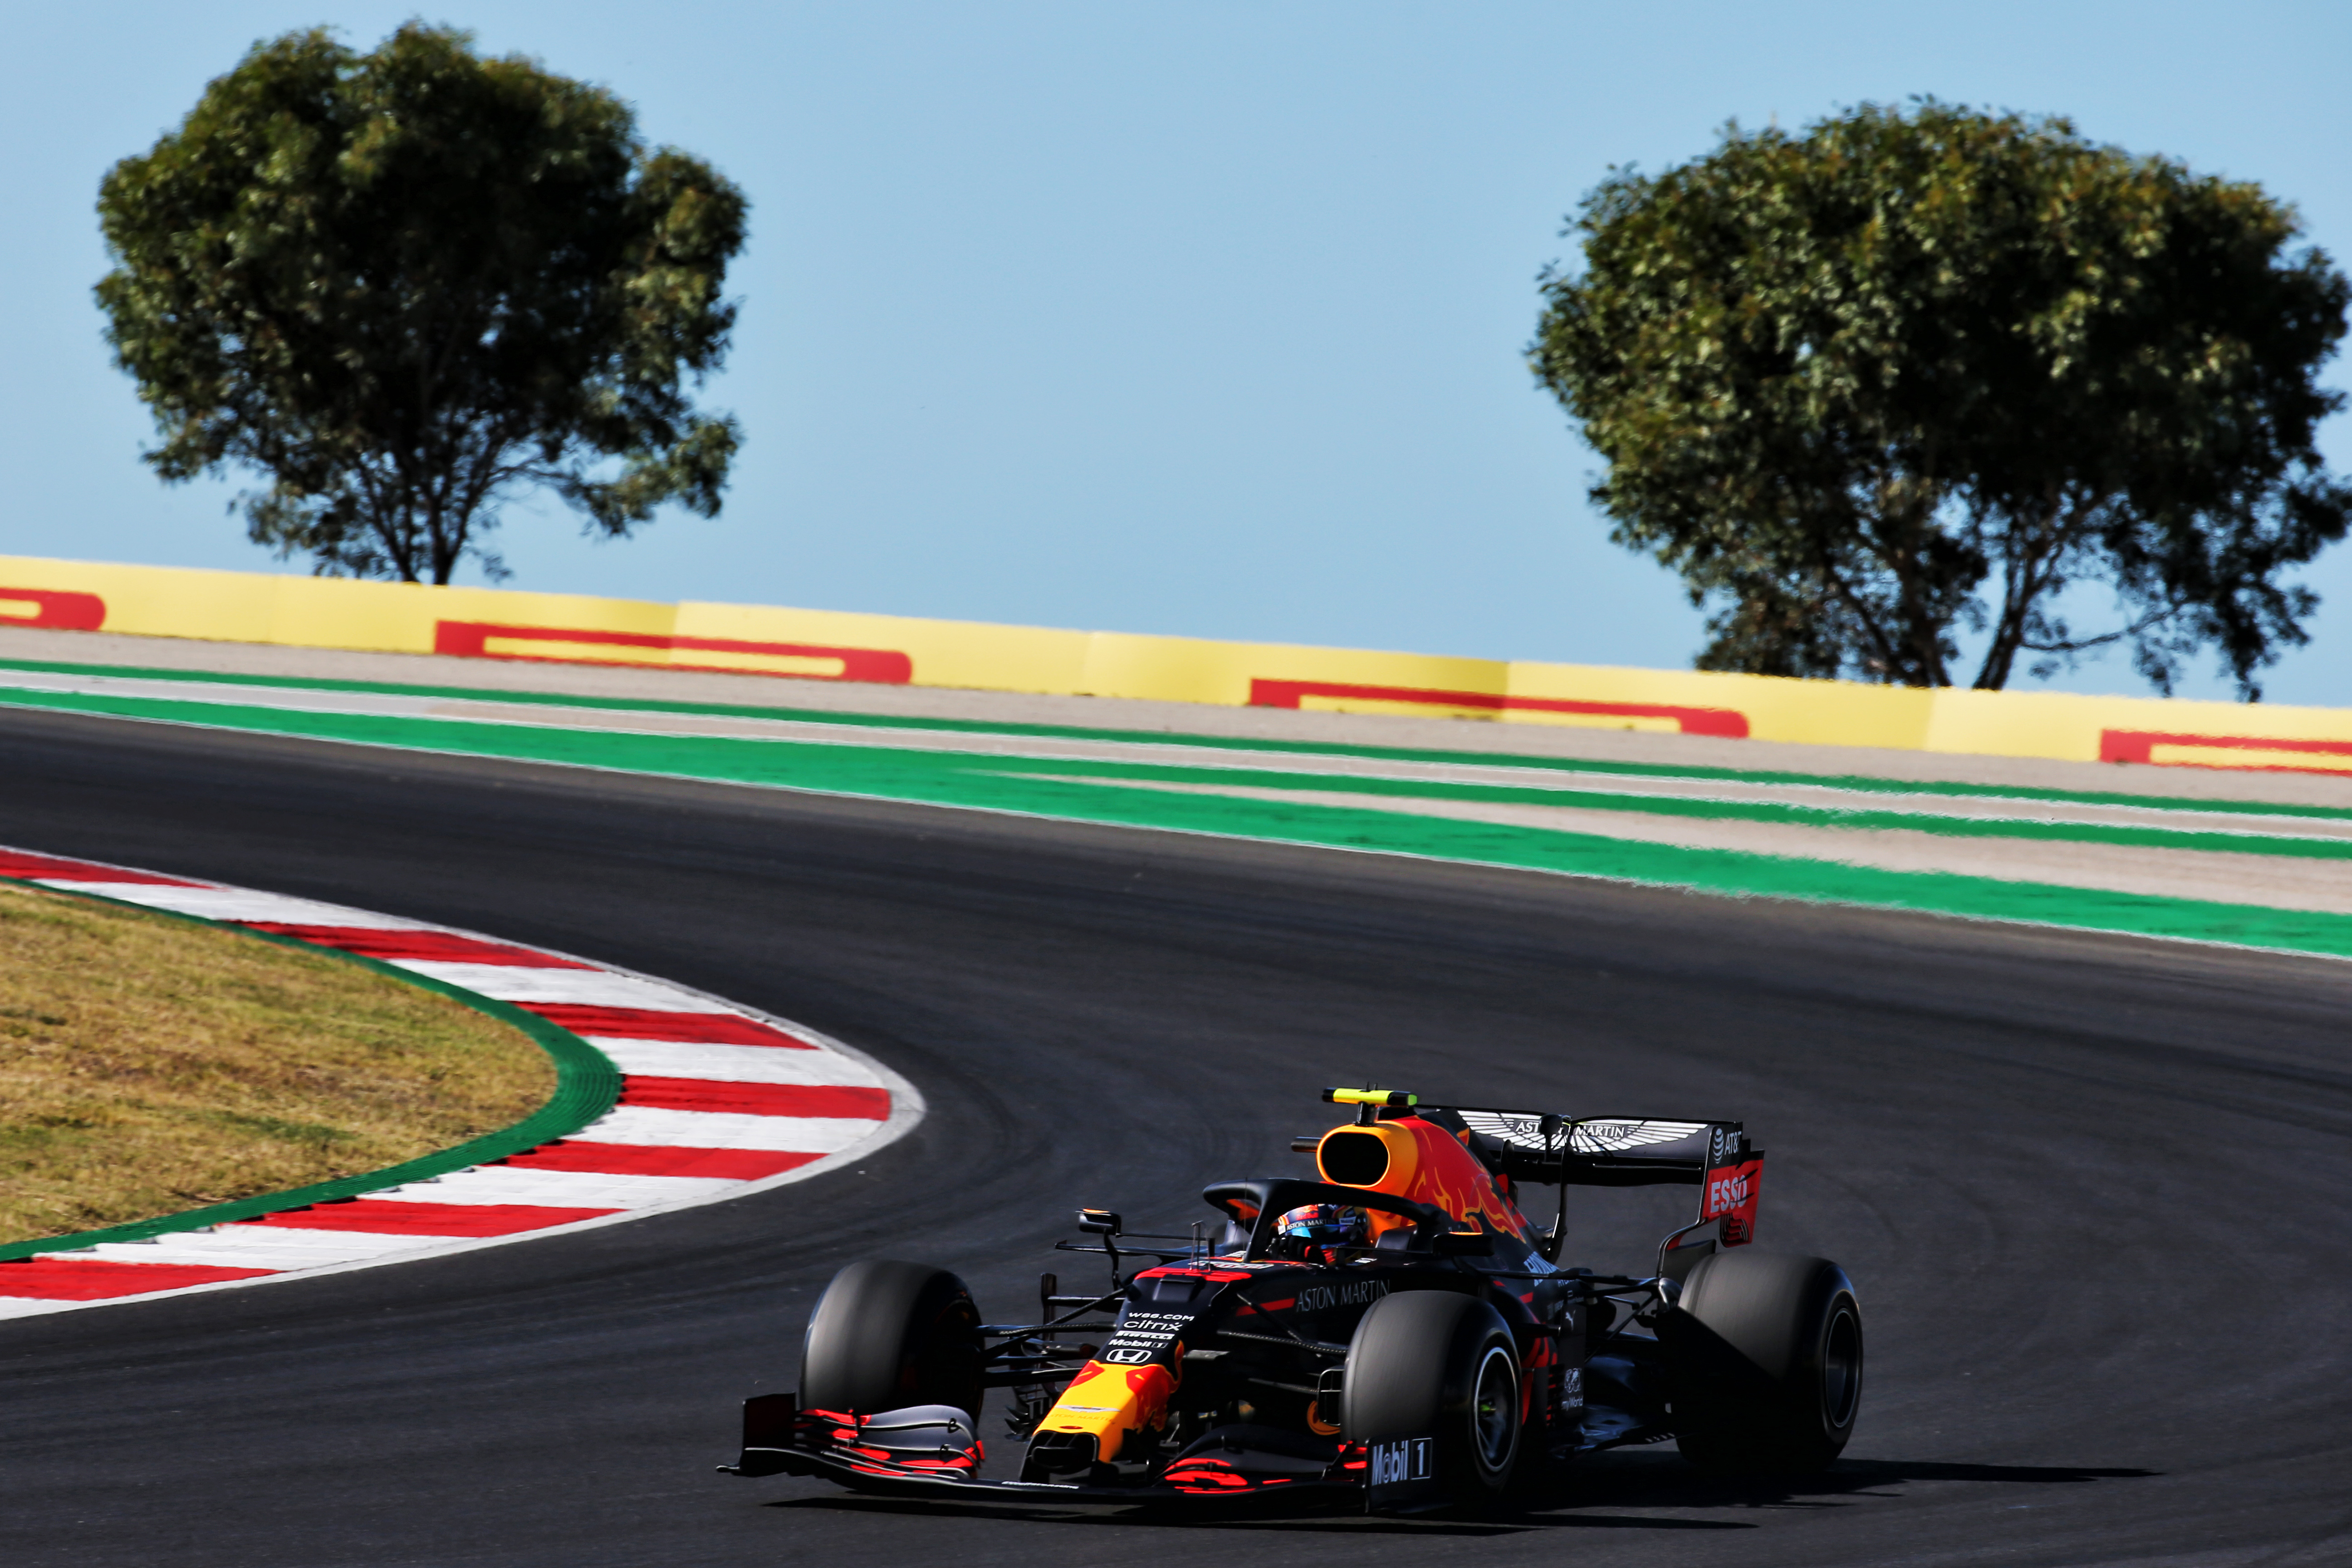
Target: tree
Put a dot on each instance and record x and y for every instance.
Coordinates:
(407, 283)
(1852, 384)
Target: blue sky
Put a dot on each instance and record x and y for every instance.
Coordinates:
(1202, 319)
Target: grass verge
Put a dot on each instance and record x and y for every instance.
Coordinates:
(149, 1064)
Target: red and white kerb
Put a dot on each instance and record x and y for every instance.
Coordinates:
(715, 1101)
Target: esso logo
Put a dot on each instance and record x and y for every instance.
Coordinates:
(1725, 1192)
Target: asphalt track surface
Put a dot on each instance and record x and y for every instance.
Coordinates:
(2091, 1188)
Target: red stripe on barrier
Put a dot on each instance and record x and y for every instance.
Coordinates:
(2139, 746)
(388, 1216)
(95, 1279)
(15, 864)
(755, 1098)
(656, 1160)
(639, 1024)
(1728, 722)
(53, 609)
(440, 946)
(470, 639)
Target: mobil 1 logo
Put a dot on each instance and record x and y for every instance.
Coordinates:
(1399, 1473)
(1143, 1337)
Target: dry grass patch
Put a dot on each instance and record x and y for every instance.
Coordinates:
(148, 1065)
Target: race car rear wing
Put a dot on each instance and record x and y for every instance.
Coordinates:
(1539, 1147)
(1625, 1152)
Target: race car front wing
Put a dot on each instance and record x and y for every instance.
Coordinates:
(931, 1449)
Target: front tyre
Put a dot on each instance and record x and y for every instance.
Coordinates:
(1765, 1349)
(888, 1335)
(1441, 1366)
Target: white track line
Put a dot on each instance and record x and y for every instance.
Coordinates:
(235, 905)
(574, 988)
(733, 1064)
(651, 1126)
(557, 1189)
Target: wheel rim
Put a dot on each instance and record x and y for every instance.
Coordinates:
(1495, 1410)
(1840, 1367)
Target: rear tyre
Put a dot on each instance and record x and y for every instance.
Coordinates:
(888, 1335)
(1433, 1364)
(1765, 1351)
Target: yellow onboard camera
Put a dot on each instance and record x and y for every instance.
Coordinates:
(1370, 1102)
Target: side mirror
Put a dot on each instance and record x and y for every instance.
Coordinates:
(1098, 1222)
(1463, 1244)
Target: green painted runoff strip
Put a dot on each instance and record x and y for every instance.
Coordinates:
(991, 783)
(1854, 782)
(1857, 816)
(587, 1085)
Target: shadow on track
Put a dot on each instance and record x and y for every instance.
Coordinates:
(1663, 1481)
(1619, 1484)
(1289, 1519)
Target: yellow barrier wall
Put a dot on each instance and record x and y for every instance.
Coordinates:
(941, 653)
(317, 612)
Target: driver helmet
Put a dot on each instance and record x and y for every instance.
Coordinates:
(1322, 1228)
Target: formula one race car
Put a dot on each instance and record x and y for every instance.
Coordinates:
(1397, 1332)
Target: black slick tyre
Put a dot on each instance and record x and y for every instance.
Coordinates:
(886, 1335)
(1437, 1364)
(1765, 1349)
